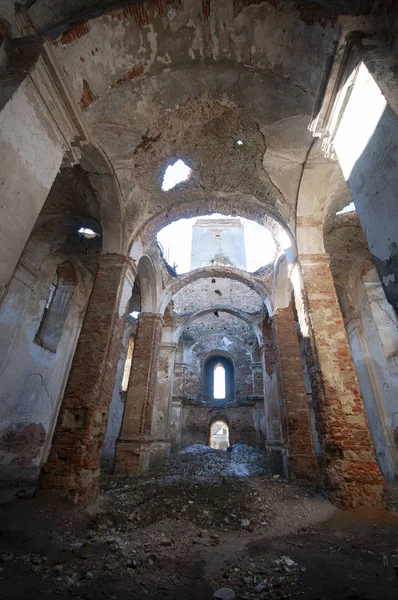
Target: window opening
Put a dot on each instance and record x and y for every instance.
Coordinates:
(127, 365)
(347, 209)
(219, 382)
(88, 233)
(56, 308)
(53, 288)
(219, 435)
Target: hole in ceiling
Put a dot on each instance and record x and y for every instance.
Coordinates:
(216, 240)
(88, 233)
(175, 174)
(347, 209)
(239, 142)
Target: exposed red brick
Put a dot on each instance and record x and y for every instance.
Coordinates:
(73, 466)
(206, 8)
(354, 477)
(73, 34)
(87, 95)
(302, 459)
(135, 71)
(315, 13)
(137, 12)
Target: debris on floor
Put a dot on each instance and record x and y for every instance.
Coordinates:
(198, 533)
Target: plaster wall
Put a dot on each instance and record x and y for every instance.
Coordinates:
(32, 387)
(367, 148)
(30, 157)
(378, 378)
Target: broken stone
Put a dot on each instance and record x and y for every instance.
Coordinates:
(224, 594)
(261, 586)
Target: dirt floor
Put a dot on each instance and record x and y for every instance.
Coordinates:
(215, 521)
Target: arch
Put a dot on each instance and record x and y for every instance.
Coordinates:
(175, 285)
(104, 181)
(231, 310)
(233, 204)
(218, 440)
(148, 284)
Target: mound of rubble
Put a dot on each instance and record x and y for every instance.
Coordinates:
(201, 462)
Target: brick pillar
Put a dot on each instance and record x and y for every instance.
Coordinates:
(73, 466)
(349, 457)
(302, 459)
(134, 445)
(161, 417)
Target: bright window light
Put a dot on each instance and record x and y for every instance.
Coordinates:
(219, 382)
(87, 233)
(347, 209)
(134, 314)
(174, 174)
(240, 143)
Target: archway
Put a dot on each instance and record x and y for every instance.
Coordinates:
(219, 435)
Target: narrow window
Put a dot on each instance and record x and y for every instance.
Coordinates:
(56, 308)
(219, 382)
(127, 365)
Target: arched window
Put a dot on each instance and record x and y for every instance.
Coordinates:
(218, 379)
(219, 435)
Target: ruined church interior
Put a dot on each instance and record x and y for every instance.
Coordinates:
(199, 299)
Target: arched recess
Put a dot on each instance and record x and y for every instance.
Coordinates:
(105, 183)
(148, 285)
(220, 308)
(210, 363)
(175, 285)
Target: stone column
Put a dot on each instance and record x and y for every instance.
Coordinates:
(258, 382)
(73, 465)
(276, 454)
(133, 446)
(350, 462)
(176, 424)
(300, 449)
(161, 417)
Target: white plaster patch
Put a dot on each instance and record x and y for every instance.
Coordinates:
(226, 342)
(388, 279)
(125, 297)
(21, 128)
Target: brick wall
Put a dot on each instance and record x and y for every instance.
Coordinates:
(242, 422)
(302, 459)
(353, 475)
(137, 419)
